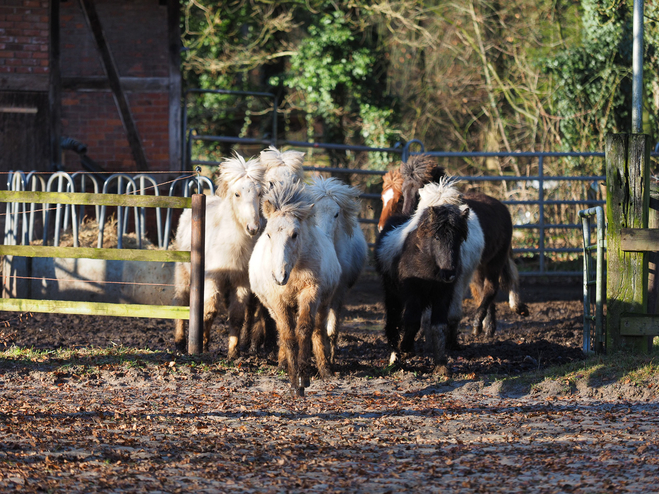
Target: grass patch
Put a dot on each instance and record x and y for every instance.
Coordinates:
(596, 371)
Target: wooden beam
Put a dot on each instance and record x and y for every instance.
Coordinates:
(25, 82)
(147, 255)
(129, 84)
(85, 198)
(628, 198)
(94, 23)
(175, 85)
(639, 239)
(639, 325)
(54, 86)
(95, 308)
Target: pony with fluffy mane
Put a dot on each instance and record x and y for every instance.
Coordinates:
(282, 167)
(233, 221)
(426, 263)
(336, 210)
(497, 266)
(294, 272)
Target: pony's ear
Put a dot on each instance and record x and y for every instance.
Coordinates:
(268, 209)
(465, 213)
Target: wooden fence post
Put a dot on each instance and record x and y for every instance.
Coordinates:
(628, 197)
(197, 262)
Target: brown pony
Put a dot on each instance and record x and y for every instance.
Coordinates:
(392, 194)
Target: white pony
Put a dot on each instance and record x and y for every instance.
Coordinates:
(281, 167)
(391, 243)
(233, 220)
(294, 272)
(336, 206)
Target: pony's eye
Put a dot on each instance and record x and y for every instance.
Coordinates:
(237, 194)
(336, 215)
(294, 236)
(268, 235)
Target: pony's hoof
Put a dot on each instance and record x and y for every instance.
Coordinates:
(324, 373)
(181, 346)
(441, 370)
(394, 358)
(299, 392)
(477, 330)
(233, 355)
(522, 310)
(489, 332)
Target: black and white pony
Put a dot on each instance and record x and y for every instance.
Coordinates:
(426, 263)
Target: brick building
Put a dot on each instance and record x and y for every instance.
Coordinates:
(103, 72)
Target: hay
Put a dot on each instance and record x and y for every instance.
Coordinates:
(88, 236)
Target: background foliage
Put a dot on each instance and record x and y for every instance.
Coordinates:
(470, 75)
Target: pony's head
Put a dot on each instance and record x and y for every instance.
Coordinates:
(288, 208)
(241, 183)
(417, 171)
(281, 167)
(336, 205)
(441, 233)
(392, 193)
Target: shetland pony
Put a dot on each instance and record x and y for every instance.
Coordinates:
(233, 220)
(426, 263)
(497, 267)
(336, 207)
(282, 168)
(392, 194)
(294, 272)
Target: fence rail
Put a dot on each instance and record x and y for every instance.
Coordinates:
(194, 312)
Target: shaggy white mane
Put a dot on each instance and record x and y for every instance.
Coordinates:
(432, 194)
(438, 193)
(289, 198)
(344, 195)
(292, 160)
(233, 170)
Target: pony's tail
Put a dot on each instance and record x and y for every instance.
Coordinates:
(509, 280)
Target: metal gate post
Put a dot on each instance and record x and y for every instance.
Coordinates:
(589, 283)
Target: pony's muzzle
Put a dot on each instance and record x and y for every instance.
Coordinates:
(282, 278)
(253, 228)
(447, 276)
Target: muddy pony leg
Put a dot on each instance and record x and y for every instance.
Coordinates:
(306, 317)
(321, 344)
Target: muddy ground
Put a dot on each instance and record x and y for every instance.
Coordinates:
(550, 336)
(150, 420)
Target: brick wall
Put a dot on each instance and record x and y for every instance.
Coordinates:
(136, 32)
(23, 36)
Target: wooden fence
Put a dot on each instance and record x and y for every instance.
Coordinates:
(195, 257)
(632, 236)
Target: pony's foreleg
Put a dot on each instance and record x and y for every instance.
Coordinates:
(414, 310)
(238, 305)
(439, 329)
(287, 347)
(320, 342)
(394, 312)
(306, 318)
(212, 299)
